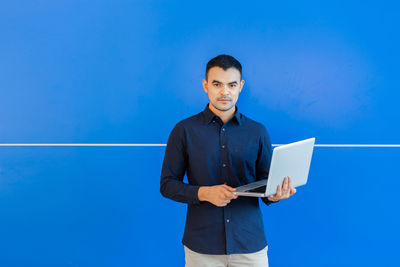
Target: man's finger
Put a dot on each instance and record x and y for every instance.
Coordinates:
(227, 194)
(285, 184)
(292, 191)
(229, 188)
(278, 192)
(272, 198)
(225, 202)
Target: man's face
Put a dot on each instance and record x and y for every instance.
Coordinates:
(223, 87)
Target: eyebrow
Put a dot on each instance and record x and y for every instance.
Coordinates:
(215, 81)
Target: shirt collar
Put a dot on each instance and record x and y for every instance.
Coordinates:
(208, 115)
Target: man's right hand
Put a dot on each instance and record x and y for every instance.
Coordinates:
(219, 195)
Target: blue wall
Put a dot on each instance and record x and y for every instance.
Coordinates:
(127, 71)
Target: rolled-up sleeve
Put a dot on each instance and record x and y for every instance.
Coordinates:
(264, 159)
(174, 168)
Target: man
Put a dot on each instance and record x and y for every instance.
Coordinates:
(220, 149)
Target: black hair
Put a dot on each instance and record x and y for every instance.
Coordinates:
(225, 62)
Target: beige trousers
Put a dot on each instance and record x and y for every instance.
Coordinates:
(256, 259)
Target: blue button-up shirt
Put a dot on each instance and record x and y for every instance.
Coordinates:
(212, 153)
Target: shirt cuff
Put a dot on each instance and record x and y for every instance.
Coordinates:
(267, 201)
(192, 193)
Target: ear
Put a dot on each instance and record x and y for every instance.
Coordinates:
(241, 85)
(205, 85)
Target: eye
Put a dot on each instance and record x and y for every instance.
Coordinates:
(233, 85)
(216, 84)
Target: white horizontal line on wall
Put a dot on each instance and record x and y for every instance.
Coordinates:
(145, 145)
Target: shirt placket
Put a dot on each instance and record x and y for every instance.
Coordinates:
(225, 173)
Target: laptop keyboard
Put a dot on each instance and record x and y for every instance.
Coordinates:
(258, 189)
(255, 185)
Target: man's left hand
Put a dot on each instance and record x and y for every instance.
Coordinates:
(283, 191)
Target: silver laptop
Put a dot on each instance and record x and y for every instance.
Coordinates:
(292, 160)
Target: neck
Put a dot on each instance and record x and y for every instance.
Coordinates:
(224, 115)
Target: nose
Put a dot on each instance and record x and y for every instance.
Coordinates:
(225, 89)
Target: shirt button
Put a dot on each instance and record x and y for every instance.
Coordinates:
(224, 165)
(213, 121)
(223, 129)
(223, 146)
(227, 220)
